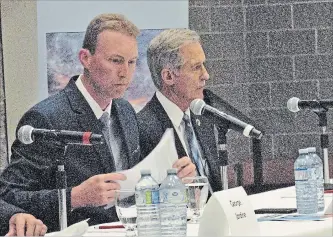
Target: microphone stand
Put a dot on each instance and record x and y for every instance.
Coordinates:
(322, 114)
(61, 181)
(61, 184)
(222, 155)
(257, 163)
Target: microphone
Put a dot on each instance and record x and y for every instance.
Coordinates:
(294, 104)
(199, 107)
(27, 135)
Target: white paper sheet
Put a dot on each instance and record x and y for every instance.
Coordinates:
(77, 229)
(158, 161)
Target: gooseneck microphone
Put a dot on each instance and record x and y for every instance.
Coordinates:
(294, 104)
(199, 107)
(27, 135)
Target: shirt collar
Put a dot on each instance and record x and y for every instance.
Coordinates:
(92, 103)
(173, 111)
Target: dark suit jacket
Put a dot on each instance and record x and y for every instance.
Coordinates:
(153, 121)
(29, 181)
(6, 212)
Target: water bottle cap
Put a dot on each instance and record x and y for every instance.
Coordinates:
(172, 171)
(312, 149)
(303, 151)
(145, 172)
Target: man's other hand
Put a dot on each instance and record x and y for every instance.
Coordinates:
(22, 224)
(185, 167)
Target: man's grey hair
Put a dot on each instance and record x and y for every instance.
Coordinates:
(163, 51)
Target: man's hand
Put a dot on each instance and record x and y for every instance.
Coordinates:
(98, 190)
(185, 167)
(22, 224)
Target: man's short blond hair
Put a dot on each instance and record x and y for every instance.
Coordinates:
(111, 22)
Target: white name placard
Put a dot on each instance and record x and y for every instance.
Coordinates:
(229, 213)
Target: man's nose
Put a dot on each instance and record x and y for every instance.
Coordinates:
(205, 75)
(124, 70)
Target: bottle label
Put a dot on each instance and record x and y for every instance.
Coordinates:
(155, 197)
(173, 196)
(147, 197)
(304, 174)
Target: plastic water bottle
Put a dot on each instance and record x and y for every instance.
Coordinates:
(319, 176)
(173, 208)
(305, 183)
(147, 205)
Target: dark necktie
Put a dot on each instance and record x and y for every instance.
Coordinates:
(192, 144)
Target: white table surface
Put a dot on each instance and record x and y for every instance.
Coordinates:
(273, 199)
(286, 198)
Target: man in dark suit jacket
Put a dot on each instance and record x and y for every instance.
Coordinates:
(15, 222)
(176, 62)
(108, 56)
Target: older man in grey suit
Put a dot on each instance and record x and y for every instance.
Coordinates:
(176, 62)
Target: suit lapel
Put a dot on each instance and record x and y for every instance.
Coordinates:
(160, 113)
(103, 150)
(125, 124)
(88, 122)
(166, 123)
(204, 130)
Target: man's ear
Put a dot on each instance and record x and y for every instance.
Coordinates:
(84, 56)
(168, 76)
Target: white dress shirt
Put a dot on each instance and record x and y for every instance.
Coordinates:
(92, 103)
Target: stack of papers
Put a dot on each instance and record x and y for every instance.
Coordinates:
(158, 162)
(292, 217)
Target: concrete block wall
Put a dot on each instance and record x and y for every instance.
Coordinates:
(259, 54)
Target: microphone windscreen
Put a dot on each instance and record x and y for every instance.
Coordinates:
(24, 134)
(197, 106)
(292, 104)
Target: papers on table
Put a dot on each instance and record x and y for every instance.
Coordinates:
(292, 217)
(158, 161)
(77, 229)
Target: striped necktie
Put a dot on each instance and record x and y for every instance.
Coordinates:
(105, 119)
(192, 144)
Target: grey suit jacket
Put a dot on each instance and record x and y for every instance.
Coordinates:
(29, 182)
(153, 121)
